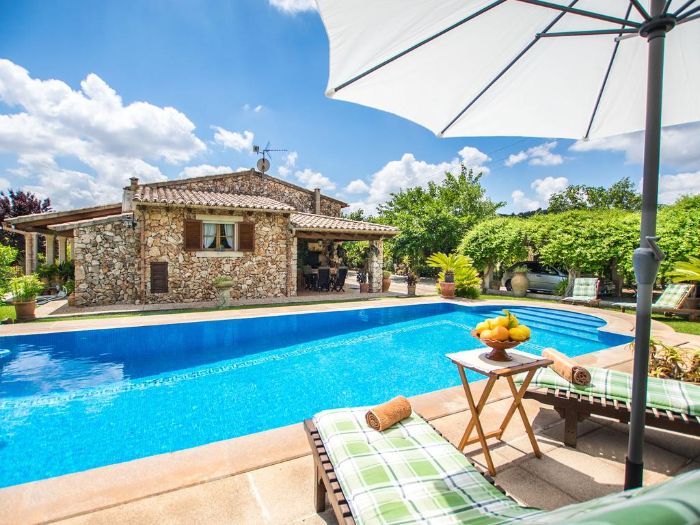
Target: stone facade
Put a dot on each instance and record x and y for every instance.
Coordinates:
(113, 261)
(375, 265)
(106, 264)
(253, 183)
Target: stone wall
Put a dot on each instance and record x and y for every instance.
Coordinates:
(113, 260)
(106, 264)
(375, 265)
(260, 274)
(252, 183)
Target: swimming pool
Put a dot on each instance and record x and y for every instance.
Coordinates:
(72, 401)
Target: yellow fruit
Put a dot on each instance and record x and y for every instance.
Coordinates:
(512, 320)
(481, 327)
(500, 321)
(490, 324)
(519, 333)
(500, 333)
(486, 334)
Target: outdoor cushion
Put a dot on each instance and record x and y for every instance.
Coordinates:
(585, 289)
(664, 394)
(408, 474)
(672, 296)
(674, 502)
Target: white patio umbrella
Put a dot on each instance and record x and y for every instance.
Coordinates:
(582, 69)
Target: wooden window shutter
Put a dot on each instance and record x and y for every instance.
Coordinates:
(159, 277)
(246, 236)
(193, 235)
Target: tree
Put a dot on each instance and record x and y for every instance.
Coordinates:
(502, 240)
(8, 254)
(434, 219)
(16, 204)
(678, 229)
(622, 196)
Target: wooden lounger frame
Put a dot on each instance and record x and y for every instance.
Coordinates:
(575, 407)
(326, 482)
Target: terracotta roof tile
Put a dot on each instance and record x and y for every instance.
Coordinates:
(186, 197)
(313, 222)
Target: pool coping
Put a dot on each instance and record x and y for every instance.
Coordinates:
(103, 487)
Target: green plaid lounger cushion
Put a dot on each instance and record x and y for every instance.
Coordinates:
(408, 474)
(674, 502)
(664, 394)
(672, 296)
(585, 289)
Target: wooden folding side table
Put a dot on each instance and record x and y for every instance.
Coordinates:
(476, 360)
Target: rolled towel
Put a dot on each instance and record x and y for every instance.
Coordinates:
(566, 368)
(387, 414)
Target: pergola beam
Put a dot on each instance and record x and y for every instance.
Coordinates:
(340, 236)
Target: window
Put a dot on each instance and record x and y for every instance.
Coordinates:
(219, 236)
(159, 277)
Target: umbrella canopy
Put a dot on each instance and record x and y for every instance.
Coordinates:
(489, 68)
(581, 69)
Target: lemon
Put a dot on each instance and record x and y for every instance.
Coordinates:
(481, 327)
(519, 333)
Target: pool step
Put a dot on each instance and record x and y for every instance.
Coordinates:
(565, 327)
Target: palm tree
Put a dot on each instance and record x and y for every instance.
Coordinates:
(449, 264)
(686, 270)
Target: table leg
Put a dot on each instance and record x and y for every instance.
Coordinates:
(475, 421)
(518, 403)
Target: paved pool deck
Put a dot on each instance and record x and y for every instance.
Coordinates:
(267, 477)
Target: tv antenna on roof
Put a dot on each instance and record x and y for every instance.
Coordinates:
(264, 161)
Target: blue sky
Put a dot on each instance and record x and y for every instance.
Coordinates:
(167, 89)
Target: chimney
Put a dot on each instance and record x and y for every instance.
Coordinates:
(317, 201)
(128, 197)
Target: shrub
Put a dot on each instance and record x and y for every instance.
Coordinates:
(466, 278)
(8, 255)
(561, 288)
(25, 287)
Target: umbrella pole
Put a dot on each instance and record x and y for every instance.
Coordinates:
(647, 257)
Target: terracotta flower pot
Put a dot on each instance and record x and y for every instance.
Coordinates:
(24, 311)
(411, 290)
(386, 284)
(364, 287)
(71, 299)
(519, 283)
(447, 290)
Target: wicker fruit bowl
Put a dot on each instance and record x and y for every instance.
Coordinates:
(498, 348)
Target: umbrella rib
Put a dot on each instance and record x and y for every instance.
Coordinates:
(582, 12)
(682, 8)
(592, 32)
(689, 13)
(640, 9)
(419, 44)
(605, 79)
(689, 18)
(505, 69)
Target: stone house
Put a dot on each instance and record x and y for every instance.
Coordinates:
(167, 242)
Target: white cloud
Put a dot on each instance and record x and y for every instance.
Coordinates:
(540, 155)
(409, 172)
(204, 169)
(294, 6)
(523, 203)
(233, 139)
(680, 146)
(55, 124)
(256, 109)
(290, 160)
(548, 186)
(313, 179)
(671, 187)
(357, 186)
(515, 158)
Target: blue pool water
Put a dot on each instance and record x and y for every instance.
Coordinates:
(76, 400)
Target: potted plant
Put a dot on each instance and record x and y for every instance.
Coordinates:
(362, 279)
(386, 281)
(519, 283)
(70, 290)
(223, 287)
(448, 264)
(24, 289)
(411, 281)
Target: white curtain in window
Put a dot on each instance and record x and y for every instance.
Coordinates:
(209, 235)
(228, 234)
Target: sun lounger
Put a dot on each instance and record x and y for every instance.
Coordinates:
(585, 292)
(43, 299)
(671, 301)
(671, 405)
(410, 474)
